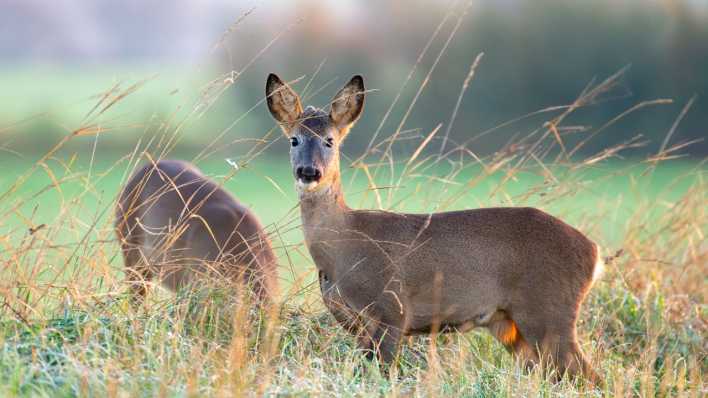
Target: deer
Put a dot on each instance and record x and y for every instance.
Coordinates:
(518, 272)
(176, 225)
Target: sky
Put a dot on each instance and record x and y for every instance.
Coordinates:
(158, 31)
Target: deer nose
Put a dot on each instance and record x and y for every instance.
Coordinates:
(308, 174)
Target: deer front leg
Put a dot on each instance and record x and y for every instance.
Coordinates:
(383, 326)
(386, 342)
(378, 339)
(377, 325)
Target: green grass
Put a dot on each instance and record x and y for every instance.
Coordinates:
(68, 330)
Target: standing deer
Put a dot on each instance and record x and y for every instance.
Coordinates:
(519, 272)
(175, 224)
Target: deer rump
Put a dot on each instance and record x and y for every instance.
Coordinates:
(178, 226)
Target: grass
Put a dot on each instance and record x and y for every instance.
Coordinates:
(67, 327)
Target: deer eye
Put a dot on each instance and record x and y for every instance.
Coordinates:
(329, 141)
(294, 141)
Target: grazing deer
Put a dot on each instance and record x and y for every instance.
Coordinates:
(519, 272)
(175, 224)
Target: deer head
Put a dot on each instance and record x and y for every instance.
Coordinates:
(315, 134)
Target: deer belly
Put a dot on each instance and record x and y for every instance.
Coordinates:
(449, 314)
(439, 320)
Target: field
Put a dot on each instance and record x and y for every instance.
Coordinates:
(68, 328)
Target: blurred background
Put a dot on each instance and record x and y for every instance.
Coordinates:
(199, 67)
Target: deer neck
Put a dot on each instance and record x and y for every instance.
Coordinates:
(323, 210)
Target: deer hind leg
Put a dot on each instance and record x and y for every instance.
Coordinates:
(563, 350)
(507, 332)
(137, 272)
(254, 273)
(552, 340)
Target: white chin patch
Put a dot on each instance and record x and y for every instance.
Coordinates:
(306, 186)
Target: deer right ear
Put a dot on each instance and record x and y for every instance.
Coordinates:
(283, 103)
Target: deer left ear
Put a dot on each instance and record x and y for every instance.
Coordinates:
(348, 104)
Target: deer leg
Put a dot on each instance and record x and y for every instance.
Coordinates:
(388, 327)
(366, 329)
(137, 280)
(530, 330)
(136, 269)
(578, 359)
(552, 340)
(562, 349)
(137, 273)
(507, 332)
(386, 340)
(381, 330)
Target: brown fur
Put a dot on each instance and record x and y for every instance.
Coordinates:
(175, 224)
(519, 272)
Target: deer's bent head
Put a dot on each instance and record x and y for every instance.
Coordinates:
(315, 134)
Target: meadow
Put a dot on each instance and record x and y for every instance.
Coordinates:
(68, 328)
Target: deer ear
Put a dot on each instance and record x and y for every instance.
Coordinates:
(283, 103)
(348, 104)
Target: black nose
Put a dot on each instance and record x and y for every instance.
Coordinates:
(308, 174)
